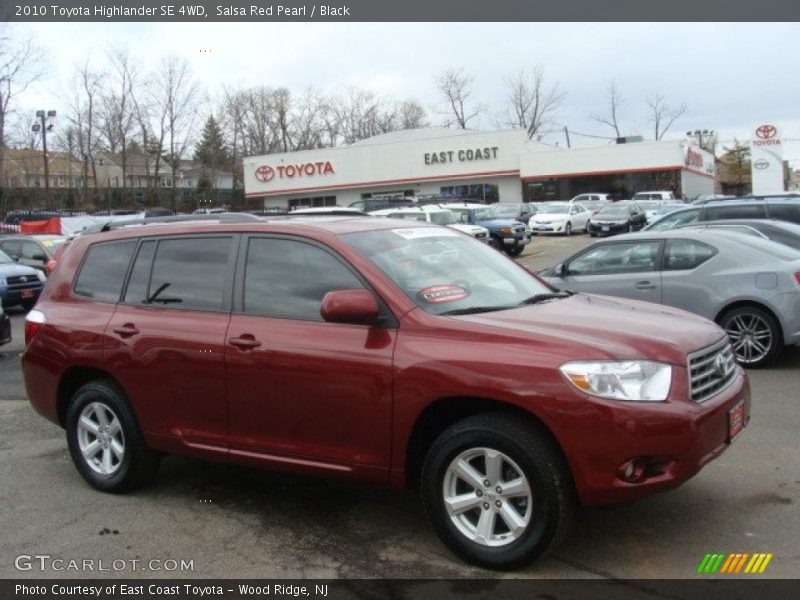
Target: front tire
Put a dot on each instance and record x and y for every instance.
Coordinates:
(523, 512)
(756, 337)
(104, 439)
(515, 250)
(568, 229)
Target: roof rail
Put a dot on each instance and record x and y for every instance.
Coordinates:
(220, 217)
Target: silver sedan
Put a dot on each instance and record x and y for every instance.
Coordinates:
(750, 286)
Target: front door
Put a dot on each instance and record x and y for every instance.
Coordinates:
(304, 391)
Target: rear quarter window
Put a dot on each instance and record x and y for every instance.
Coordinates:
(103, 271)
(785, 212)
(747, 211)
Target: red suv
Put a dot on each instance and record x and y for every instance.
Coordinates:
(384, 351)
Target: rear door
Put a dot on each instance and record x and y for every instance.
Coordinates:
(618, 268)
(303, 391)
(167, 338)
(687, 271)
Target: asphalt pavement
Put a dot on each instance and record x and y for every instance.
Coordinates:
(239, 523)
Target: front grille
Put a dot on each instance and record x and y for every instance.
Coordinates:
(711, 370)
(22, 279)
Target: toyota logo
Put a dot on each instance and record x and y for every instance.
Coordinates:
(761, 164)
(720, 366)
(23, 279)
(265, 173)
(766, 132)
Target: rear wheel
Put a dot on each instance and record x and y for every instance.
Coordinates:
(755, 336)
(496, 491)
(105, 442)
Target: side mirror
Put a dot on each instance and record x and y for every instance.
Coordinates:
(560, 270)
(357, 307)
(15, 257)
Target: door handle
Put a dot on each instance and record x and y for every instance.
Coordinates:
(126, 331)
(645, 285)
(244, 342)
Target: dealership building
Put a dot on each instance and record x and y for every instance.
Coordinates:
(486, 166)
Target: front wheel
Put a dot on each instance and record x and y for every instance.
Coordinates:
(104, 439)
(568, 229)
(755, 336)
(496, 491)
(514, 250)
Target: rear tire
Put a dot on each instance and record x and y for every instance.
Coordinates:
(105, 441)
(477, 522)
(755, 335)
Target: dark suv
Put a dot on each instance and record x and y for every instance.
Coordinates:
(782, 208)
(385, 351)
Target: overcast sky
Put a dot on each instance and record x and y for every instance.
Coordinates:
(730, 75)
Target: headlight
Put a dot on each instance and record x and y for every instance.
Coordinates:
(41, 275)
(505, 230)
(636, 380)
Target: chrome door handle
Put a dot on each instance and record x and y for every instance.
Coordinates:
(126, 331)
(645, 285)
(245, 342)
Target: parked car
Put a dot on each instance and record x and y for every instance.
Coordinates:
(521, 212)
(620, 217)
(19, 284)
(325, 211)
(507, 234)
(413, 356)
(381, 202)
(653, 195)
(716, 197)
(650, 208)
(783, 232)
(584, 198)
(750, 286)
(432, 213)
(667, 208)
(594, 205)
(32, 250)
(559, 217)
(783, 208)
(5, 327)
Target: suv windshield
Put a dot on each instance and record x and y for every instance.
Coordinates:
(445, 272)
(442, 217)
(505, 210)
(479, 214)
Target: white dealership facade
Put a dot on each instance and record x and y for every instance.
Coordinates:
(487, 166)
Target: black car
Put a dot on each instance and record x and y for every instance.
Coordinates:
(5, 327)
(620, 217)
(783, 232)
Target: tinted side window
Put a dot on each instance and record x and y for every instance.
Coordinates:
(287, 278)
(749, 211)
(785, 212)
(675, 219)
(190, 273)
(103, 270)
(622, 257)
(686, 254)
(12, 247)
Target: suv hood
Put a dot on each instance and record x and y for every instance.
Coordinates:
(10, 270)
(609, 328)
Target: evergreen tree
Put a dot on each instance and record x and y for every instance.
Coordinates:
(212, 152)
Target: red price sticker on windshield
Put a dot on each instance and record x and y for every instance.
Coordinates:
(438, 294)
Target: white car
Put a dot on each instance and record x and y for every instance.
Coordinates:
(559, 217)
(650, 208)
(592, 198)
(434, 214)
(653, 195)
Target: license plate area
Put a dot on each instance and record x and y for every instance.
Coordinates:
(735, 421)
(26, 293)
(605, 227)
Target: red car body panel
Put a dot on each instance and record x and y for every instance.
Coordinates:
(343, 400)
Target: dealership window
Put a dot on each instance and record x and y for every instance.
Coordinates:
(312, 202)
(486, 193)
(403, 193)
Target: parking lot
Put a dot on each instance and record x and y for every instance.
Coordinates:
(238, 523)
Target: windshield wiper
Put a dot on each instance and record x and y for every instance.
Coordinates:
(473, 310)
(536, 298)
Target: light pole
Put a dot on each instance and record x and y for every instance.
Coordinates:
(44, 128)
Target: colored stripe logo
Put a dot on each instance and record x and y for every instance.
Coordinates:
(735, 563)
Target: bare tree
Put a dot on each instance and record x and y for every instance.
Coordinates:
(179, 97)
(82, 118)
(662, 116)
(531, 103)
(119, 117)
(19, 61)
(456, 90)
(360, 114)
(308, 121)
(411, 115)
(611, 117)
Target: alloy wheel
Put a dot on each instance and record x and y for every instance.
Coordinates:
(487, 497)
(751, 337)
(100, 438)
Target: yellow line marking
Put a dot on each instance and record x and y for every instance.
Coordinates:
(753, 562)
(765, 563)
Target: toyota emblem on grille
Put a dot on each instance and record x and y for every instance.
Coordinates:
(23, 279)
(719, 366)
